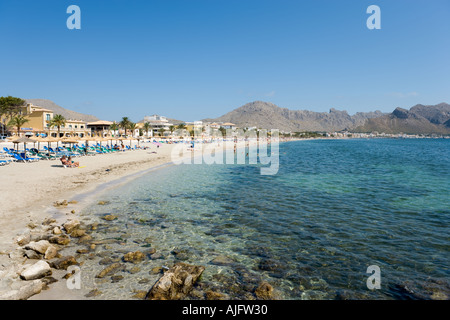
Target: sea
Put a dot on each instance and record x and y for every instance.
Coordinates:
(342, 219)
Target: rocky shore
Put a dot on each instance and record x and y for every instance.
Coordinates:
(49, 254)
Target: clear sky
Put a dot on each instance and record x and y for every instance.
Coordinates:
(194, 59)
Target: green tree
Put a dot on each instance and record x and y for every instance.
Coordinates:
(147, 128)
(17, 122)
(125, 123)
(9, 107)
(161, 132)
(223, 131)
(132, 126)
(172, 129)
(58, 121)
(114, 127)
(181, 126)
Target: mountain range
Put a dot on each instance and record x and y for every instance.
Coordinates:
(267, 116)
(68, 114)
(420, 119)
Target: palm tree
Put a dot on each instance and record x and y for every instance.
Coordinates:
(181, 126)
(147, 128)
(161, 131)
(114, 127)
(124, 124)
(18, 122)
(171, 129)
(132, 126)
(58, 121)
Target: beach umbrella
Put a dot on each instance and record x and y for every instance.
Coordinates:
(39, 139)
(23, 140)
(107, 139)
(70, 140)
(49, 140)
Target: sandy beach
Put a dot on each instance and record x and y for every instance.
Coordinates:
(28, 188)
(29, 191)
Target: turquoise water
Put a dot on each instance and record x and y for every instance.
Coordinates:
(334, 208)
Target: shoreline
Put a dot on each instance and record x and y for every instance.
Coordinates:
(22, 218)
(33, 188)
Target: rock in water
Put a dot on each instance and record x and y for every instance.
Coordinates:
(71, 225)
(64, 262)
(61, 239)
(264, 291)
(134, 257)
(38, 270)
(110, 270)
(176, 282)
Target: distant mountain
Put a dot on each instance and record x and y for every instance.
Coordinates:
(269, 116)
(68, 114)
(420, 119)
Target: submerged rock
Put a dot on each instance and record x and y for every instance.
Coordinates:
(61, 239)
(211, 295)
(78, 233)
(176, 282)
(222, 261)
(71, 225)
(93, 293)
(109, 217)
(85, 239)
(140, 294)
(134, 257)
(110, 270)
(116, 278)
(264, 291)
(64, 262)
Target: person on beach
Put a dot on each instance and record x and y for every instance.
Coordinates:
(72, 163)
(63, 160)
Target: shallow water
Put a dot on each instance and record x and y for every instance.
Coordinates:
(334, 208)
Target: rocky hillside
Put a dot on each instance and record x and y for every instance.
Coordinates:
(269, 116)
(68, 114)
(419, 119)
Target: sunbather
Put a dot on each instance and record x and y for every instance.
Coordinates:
(72, 163)
(68, 162)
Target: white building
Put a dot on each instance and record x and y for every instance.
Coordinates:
(156, 124)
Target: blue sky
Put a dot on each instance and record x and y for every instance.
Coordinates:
(195, 59)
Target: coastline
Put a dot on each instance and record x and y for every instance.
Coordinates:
(34, 188)
(31, 190)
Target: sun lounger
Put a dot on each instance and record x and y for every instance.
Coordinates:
(24, 159)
